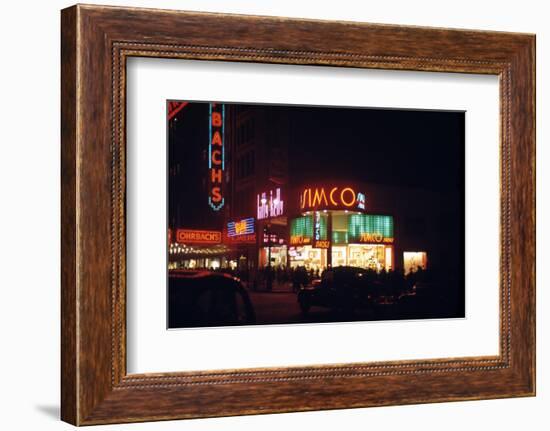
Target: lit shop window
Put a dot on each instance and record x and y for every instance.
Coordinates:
(370, 228)
(413, 260)
(389, 259)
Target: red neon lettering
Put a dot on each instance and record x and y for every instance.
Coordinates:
(216, 119)
(216, 139)
(216, 195)
(318, 196)
(331, 196)
(349, 203)
(303, 198)
(216, 157)
(216, 175)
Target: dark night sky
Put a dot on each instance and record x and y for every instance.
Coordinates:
(408, 148)
(398, 147)
(188, 140)
(411, 148)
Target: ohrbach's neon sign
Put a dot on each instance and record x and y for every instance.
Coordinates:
(331, 198)
(216, 156)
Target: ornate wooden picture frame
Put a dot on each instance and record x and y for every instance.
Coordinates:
(96, 41)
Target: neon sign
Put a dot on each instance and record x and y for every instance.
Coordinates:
(242, 239)
(299, 240)
(376, 237)
(190, 236)
(332, 198)
(269, 204)
(322, 244)
(370, 229)
(174, 108)
(216, 155)
(241, 227)
(317, 226)
(361, 201)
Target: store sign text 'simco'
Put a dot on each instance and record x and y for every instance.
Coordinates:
(332, 198)
(191, 236)
(374, 238)
(270, 204)
(216, 156)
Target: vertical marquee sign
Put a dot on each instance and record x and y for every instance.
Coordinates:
(320, 240)
(216, 155)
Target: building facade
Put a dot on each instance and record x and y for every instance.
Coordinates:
(235, 202)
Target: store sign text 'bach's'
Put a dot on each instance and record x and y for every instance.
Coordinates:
(216, 156)
(269, 204)
(332, 198)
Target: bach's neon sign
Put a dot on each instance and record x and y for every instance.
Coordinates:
(332, 198)
(216, 156)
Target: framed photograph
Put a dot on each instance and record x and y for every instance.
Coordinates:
(266, 215)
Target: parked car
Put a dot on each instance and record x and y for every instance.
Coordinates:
(343, 288)
(206, 298)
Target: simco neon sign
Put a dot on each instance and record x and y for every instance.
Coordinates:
(269, 204)
(216, 156)
(332, 198)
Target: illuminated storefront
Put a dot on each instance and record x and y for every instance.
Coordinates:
(274, 247)
(197, 249)
(414, 260)
(323, 238)
(334, 230)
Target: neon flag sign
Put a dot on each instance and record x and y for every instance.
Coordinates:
(216, 155)
(241, 227)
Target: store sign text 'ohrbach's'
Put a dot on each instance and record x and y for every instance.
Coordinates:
(216, 156)
(191, 236)
(332, 198)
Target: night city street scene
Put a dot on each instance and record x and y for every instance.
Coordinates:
(290, 214)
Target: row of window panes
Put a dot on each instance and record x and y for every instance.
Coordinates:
(357, 224)
(245, 132)
(245, 165)
(243, 203)
(366, 223)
